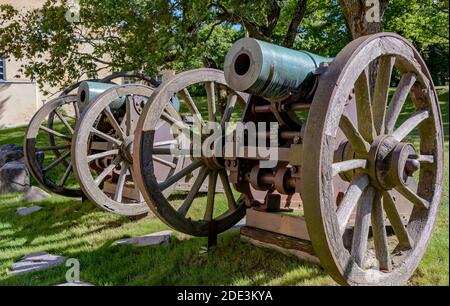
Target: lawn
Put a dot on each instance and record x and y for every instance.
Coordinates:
(81, 230)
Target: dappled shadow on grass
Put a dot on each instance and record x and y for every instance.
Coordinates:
(182, 263)
(78, 230)
(62, 224)
(56, 217)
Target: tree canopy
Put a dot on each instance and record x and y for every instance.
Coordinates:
(149, 35)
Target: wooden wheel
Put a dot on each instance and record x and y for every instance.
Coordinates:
(47, 146)
(210, 169)
(49, 135)
(387, 155)
(102, 151)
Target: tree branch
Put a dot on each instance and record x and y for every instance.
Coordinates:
(299, 14)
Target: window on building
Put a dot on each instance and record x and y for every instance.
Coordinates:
(2, 70)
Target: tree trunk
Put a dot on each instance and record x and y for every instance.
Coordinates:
(365, 17)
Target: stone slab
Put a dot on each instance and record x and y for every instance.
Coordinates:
(25, 211)
(148, 240)
(36, 262)
(76, 284)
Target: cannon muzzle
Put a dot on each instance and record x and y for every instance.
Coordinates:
(267, 70)
(88, 91)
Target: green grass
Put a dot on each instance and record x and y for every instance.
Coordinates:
(75, 230)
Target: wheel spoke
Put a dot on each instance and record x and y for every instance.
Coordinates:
(193, 192)
(118, 195)
(399, 99)
(410, 125)
(211, 95)
(77, 110)
(349, 165)
(114, 123)
(227, 188)
(364, 107)
(405, 240)
(212, 184)
(164, 162)
(354, 137)
(106, 137)
(136, 188)
(231, 104)
(55, 133)
(102, 155)
(164, 143)
(180, 124)
(53, 148)
(381, 92)
(186, 96)
(180, 175)
(65, 176)
(107, 171)
(380, 235)
(350, 200)
(129, 122)
(64, 121)
(362, 225)
(56, 162)
(412, 196)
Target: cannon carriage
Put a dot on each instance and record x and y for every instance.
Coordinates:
(341, 144)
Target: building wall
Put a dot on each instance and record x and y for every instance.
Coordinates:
(20, 98)
(19, 101)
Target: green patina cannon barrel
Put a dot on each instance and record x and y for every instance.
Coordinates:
(268, 70)
(88, 91)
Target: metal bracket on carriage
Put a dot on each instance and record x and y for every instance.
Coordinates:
(272, 204)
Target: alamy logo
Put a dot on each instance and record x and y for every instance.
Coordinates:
(73, 11)
(73, 273)
(373, 13)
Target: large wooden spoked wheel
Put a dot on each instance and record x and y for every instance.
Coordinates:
(102, 151)
(47, 146)
(48, 138)
(210, 169)
(389, 154)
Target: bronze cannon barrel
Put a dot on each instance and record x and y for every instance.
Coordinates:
(266, 70)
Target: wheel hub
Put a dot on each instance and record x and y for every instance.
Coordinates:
(126, 150)
(391, 163)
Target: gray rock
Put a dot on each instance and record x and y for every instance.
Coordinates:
(76, 284)
(25, 211)
(14, 177)
(35, 194)
(10, 153)
(36, 262)
(152, 239)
